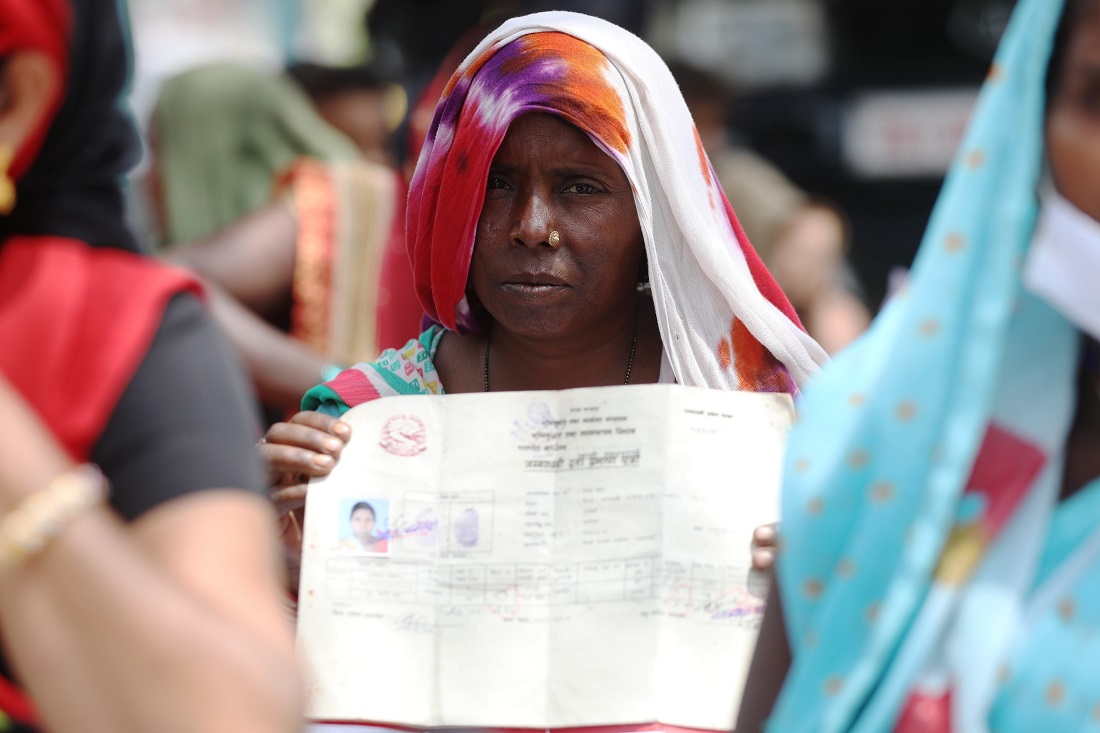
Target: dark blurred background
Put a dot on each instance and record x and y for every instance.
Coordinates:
(859, 102)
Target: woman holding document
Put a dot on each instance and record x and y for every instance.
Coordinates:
(566, 230)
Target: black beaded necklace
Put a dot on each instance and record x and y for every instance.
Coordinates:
(629, 363)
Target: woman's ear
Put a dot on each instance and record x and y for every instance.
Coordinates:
(29, 84)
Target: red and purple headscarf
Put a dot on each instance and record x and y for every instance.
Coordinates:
(724, 322)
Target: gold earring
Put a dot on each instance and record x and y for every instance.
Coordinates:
(7, 186)
(554, 239)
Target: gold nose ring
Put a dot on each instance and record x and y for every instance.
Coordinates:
(554, 239)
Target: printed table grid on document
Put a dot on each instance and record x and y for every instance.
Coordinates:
(621, 579)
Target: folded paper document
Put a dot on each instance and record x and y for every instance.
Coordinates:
(541, 559)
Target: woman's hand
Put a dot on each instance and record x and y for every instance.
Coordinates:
(763, 546)
(306, 447)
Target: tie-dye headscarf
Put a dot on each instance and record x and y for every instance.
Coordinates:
(724, 322)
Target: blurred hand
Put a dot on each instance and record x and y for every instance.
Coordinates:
(764, 546)
(306, 447)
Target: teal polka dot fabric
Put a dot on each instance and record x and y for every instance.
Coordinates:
(930, 579)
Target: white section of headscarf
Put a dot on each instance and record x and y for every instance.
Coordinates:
(699, 276)
(1063, 264)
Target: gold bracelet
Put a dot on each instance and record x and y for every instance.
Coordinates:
(27, 530)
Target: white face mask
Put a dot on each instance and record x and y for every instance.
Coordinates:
(1063, 265)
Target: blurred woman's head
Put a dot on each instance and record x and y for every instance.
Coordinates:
(357, 101)
(66, 66)
(32, 72)
(808, 253)
(1073, 107)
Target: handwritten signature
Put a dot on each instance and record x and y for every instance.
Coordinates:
(412, 622)
(416, 529)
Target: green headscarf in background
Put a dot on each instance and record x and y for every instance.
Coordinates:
(223, 132)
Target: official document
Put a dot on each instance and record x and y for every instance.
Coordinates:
(541, 559)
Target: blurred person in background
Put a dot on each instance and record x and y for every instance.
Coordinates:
(219, 135)
(300, 237)
(139, 578)
(357, 101)
(939, 567)
(753, 184)
(807, 260)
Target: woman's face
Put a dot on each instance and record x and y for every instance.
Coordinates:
(362, 523)
(1073, 122)
(548, 175)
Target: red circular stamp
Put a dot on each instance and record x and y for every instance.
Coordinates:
(404, 435)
